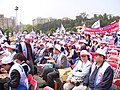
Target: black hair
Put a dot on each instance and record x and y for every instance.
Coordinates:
(62, 49)
(20, 57)
(83, 48)
(102, 56)
(12, 63)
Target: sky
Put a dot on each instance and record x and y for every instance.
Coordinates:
(31, 9)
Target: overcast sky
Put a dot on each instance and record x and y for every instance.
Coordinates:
(31, 9)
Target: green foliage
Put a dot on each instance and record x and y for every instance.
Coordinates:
(70, 24)
(28, 28)
(7, 31)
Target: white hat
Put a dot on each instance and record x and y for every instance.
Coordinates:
(5, 44)
(84, 52)
(62, 42)
(42, 44)
(72, 39)
(58, 47)
(103, 42)
(95, 40)
(12, 46)
(6, 60)
(83, 41)
(49, 45)
(28, 36)
(118, 32)
(60, 37)
(100, 51)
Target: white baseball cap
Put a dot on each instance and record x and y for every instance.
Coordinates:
(95, 40)
(12, 46)
(58, 47)
(6, 60)
(84, 53)
(49, 45)
(42, 44)
(118, 32)
(28, 36)
(83, 41)
(100, 51)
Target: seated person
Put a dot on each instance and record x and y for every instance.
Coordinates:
(78, 73)
(17, 78)
(100, 76)
(49, 74)
(20, 58)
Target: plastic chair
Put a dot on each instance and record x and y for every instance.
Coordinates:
(114, 65)
(30, 77)
(47, 88)
(116, 82)
(33, 82)
(112, 59)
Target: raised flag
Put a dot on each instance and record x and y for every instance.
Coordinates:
(96, 24)
(2, 37)
(58, 30)
(62, 29)
(119, 24)
(83, 28)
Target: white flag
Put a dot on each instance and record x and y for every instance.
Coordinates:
(58, 30)
(119, 24)
(2, 37)
(96, 24)
(62, 29)
(83, 28)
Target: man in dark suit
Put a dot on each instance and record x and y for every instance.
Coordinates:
(26, 48)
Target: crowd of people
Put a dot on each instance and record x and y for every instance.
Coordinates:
(89, 56)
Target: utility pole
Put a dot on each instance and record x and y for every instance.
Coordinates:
(16, 9)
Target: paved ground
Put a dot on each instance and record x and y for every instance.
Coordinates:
(39, 81)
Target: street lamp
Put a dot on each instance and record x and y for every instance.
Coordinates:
(16, 9)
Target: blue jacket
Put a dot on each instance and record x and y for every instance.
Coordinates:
(105, 83)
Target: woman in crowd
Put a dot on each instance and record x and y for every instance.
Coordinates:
(75, 79)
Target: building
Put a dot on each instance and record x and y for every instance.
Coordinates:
(66, 18)
(40, 20)
(1, 21)
(7, 22)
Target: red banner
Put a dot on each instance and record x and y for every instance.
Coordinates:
(110, 28)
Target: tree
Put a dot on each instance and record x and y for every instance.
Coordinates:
(81, 19)
(28, 28)
(7, 31)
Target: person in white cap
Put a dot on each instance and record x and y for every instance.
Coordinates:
(103, 45)
(27, 49)
(17, 78)
(41, 53)
(100, 76)
(75, 79)
(95, 45)
(118, 35)
(11, 49)
(51, 73)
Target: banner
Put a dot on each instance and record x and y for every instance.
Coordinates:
(110, 28)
